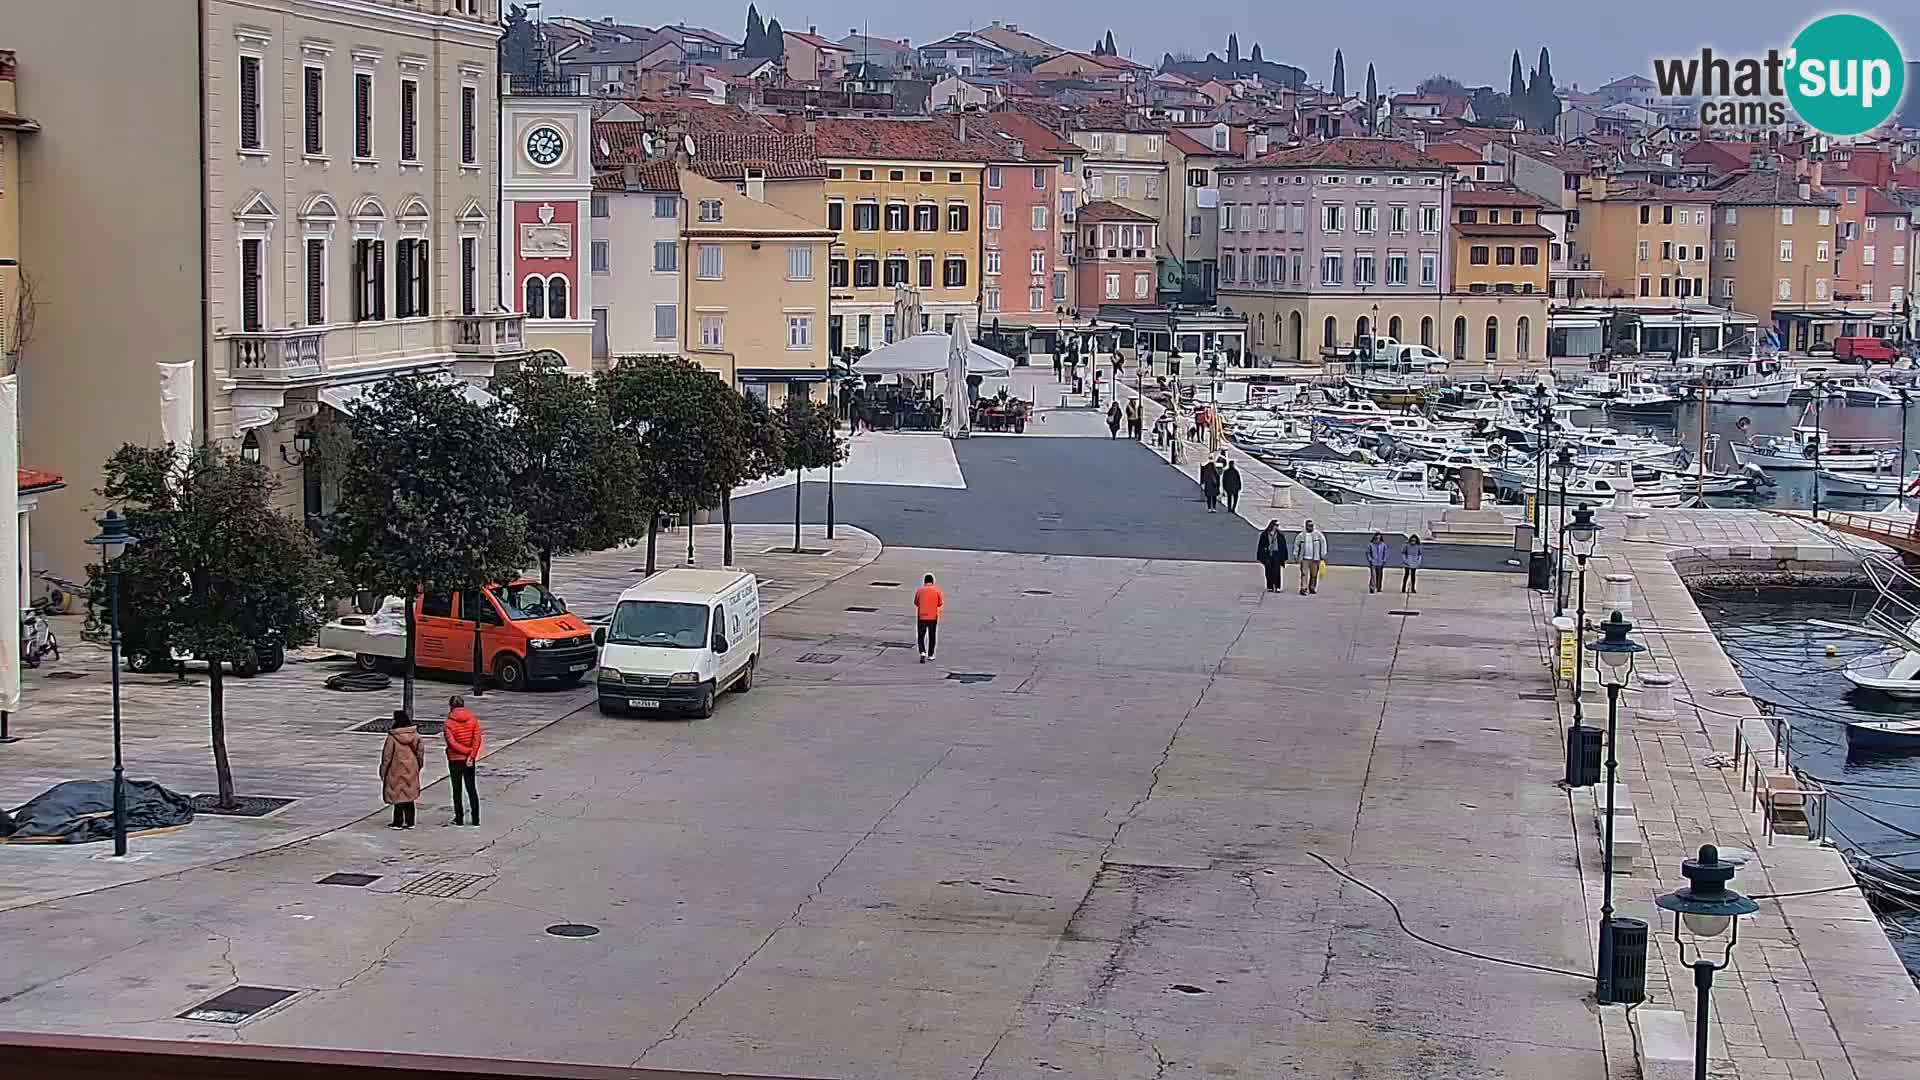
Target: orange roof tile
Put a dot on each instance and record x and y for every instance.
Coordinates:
(39, 479)
(1108, 210)
(1351, 153)
(897, 140)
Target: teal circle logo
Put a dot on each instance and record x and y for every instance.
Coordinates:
(1846, 75)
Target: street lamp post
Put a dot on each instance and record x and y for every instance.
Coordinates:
(1615, 651)
(1585, 534)
(113, 539)
(1173, 380)
(1141, 361)
(833, 432)
(1709, 909)
(1564, 465)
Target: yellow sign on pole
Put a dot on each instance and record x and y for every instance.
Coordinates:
(1565, 666)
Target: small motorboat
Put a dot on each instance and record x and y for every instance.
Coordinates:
(1875, 485)
(1869, 391)
(1407, 484)
(1643, 397)
(1810, 447)
(1883, 736)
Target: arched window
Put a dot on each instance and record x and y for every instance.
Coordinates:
(1460, 337)
(1361, 327)
(1493, 337)
(1294, 327)
(1260, 329)
(1332, 334)
(1523, 337)
(536, 298)
(1393, 328)
(556, 297)
(1426, 331)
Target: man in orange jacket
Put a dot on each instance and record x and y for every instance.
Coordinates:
(464, 742)
(927, 602)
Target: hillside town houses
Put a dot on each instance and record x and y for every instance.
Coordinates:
(388, 188)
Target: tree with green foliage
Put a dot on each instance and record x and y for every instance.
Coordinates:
(577, 487)
(429, 501)
(756, 42)
(1442, 86)
(809, 439)
(520, 47)
(1339, 74)
(776, 48)
(662, 408)
(217, 571)
(1542, 99)
(1233, 48)
(763, 442)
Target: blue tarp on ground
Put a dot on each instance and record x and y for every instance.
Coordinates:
(81, 812)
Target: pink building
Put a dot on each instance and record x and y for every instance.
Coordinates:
(1017, 232)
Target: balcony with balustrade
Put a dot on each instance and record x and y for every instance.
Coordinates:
(305, 355)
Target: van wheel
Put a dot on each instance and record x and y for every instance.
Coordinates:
(141, 661)
(704, 710)
(367, 661)
(744, 683)
(510, 672)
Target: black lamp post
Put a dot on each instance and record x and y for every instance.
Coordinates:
(1173, 377)
(1709, 909)
(1615, 651)
(1539, 565)
(1563, 464)
(1140, 365)
(1584, 535)
(113, 539)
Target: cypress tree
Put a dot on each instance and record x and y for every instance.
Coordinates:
(1111, 51)
(776, 40)
(1373, 101)
(1256, 53)
(1233, 48)
(756, 33)
(1339, 74)
(1516, 83)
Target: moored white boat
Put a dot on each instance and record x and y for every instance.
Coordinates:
(1808, 447)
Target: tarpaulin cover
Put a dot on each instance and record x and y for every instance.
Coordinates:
(81, 811)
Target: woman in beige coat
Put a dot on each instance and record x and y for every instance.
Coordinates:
(400, 762)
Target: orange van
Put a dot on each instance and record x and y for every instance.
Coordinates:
(526, 635)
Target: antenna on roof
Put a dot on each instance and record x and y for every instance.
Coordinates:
(605, 150)
(648, 144)
(687, 141)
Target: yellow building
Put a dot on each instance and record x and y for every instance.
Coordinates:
(903, 199)
(1647, 242)
(1773, 257)
(1499, 244)
(754, 265)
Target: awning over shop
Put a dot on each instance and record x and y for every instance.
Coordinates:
(343, 398)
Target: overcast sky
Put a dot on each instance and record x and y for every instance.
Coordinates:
(1407, 39)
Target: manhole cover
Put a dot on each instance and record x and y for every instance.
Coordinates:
(819, 657)
(969, 676)
(1402, 611)
(572, 929)
(66, 674)
(790, 551)
(382, 725)
(237, 1005)
(1039, 592)
(896, 645)
(442, 883)
(1186, 988)
(884, 584)
(243, 805)
(1535, 695)
(356, 881)
(863, 608)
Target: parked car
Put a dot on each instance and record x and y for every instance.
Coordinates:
(526, 635)
(1870, 350)
(267, 656)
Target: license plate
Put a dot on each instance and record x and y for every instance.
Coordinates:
(576, 667)
(642, 703)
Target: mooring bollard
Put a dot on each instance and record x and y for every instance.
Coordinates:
(1656, 696)
(1282, 497)
(1637, 524)
(1617, 594)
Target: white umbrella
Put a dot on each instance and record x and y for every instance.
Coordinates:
(959, 424)
(930, 354)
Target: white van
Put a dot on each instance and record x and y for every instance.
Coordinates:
(679, 640)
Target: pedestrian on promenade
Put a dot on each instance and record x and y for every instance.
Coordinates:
(1210, 484)
(1273, 555)
(1096, 387)
(927, 602)
(1230, 484)
(1310, 550)
(1113, 421)
(1118, 364)
(1056, 367)
(1161, 425)
(400, 762)
(464, 742)
(1411, 557)
(1376, 562)
(1133, 419)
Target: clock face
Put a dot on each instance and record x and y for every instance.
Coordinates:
(545, 145)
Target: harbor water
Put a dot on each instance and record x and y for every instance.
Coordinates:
(1782, 658)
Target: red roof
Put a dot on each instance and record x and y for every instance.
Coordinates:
(815, 40)
(1189, 143)
(776, 157)
(1878, 202)
(1524, 232)
(1353, 153)
(653, 176)
(1455, 154)
(39, 480)
(1018, 125)
(1108, 210)
(1758, 187)
(897, 140)
(1497, 196)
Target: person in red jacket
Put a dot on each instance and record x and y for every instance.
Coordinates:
(464, 742)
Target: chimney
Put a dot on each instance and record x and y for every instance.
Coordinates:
(1816, 174)
(756, 184)
(1260, 144)
(812, 112)
(1020, 149)
(630, 176)
(812, 29)
(963, 127)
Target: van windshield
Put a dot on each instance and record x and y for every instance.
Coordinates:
(660, 624)
(527, 600)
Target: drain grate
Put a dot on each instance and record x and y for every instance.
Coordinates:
(66, 675)
(1039, 592)
(354, 881)
(1536, 695)
(970, 676)
(572, 929)
(1402, 611)
(819, 657)
(790, 551)
(884, 584)
(863, 609)
(243, 805)
(238, 1005)
(444, 884)
(384, 724)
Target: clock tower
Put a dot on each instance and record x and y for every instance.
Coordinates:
(546, 182)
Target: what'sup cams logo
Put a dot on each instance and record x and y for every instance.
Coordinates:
(1843, 75)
